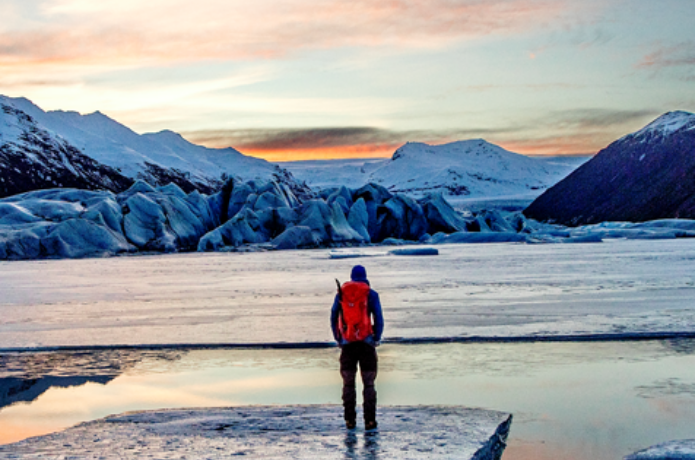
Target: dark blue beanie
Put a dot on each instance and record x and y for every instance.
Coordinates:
(359, 273)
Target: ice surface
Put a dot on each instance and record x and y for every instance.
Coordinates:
(673, 450)
(618, 288)
(279, 432)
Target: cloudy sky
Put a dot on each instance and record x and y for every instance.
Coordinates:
(296, 79)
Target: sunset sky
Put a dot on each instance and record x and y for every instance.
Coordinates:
(297, 79)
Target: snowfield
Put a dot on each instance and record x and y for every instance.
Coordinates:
(463, 171)
(278, 432)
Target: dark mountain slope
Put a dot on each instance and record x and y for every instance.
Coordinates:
(644, 176)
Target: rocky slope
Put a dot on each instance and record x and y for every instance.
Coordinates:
(646, 175)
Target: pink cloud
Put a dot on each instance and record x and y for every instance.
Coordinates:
(74, 30)
(682, 54)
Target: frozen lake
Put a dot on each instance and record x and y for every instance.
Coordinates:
(496, 290)
(575, 401)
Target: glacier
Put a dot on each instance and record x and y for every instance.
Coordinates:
(268, 215)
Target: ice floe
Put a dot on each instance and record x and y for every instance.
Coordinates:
(673, 450)
(280, 432)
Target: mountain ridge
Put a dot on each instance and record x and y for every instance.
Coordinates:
(158, 158)
(645, 175)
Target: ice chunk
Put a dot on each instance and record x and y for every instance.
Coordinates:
(359, 219)
(244, 228)
(23, 242)
(343, 196)
(393, 242)
(485, 237)
(200, 206)
(144, 224)
(107, 211)
(672, 450)
(495, 221)
(544, 238)
(173, 190)
(82, 238)
(238, 198)
(295, 237)
(401, 217)
(139, 186)
(373, 196)
(340, 230)
(52, 210)
(415, 252)
(12, 214)
(270, 200)
(441, 217)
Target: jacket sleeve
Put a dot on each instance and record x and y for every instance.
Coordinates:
(375, 306)
(335, 312)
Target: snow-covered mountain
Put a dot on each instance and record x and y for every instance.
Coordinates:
(472, 168)
(643, 176)
(33, 158)
(158, 158)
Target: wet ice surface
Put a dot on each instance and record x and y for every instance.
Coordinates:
(571, 401)
(276, 433)
(467, 290)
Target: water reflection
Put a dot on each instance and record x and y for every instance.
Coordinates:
(26, 376)
(681, 346)
(578, 401)
(371, 445)
(14, 390)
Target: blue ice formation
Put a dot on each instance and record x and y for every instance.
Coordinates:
(71, 223)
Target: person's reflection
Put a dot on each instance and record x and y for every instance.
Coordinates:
(371, 445)
(370, 449)
(350, 444)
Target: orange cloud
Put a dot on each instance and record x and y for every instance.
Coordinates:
(305, 144)
(177, 30)
(325, 153)
(571, 132)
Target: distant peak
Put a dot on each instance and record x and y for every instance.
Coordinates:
(669, 123)
(456, 147)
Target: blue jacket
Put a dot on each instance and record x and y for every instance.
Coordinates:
(374, 309)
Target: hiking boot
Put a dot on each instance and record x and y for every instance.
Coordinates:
(369, 426)
(350, 424)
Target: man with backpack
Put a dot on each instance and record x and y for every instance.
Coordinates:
(357, 324)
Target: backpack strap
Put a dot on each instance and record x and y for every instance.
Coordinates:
(340, 303)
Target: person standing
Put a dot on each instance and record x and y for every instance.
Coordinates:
(357, 324)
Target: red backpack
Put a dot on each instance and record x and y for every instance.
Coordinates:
(354, 322)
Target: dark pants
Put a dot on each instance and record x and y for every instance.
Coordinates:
(365, 355)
